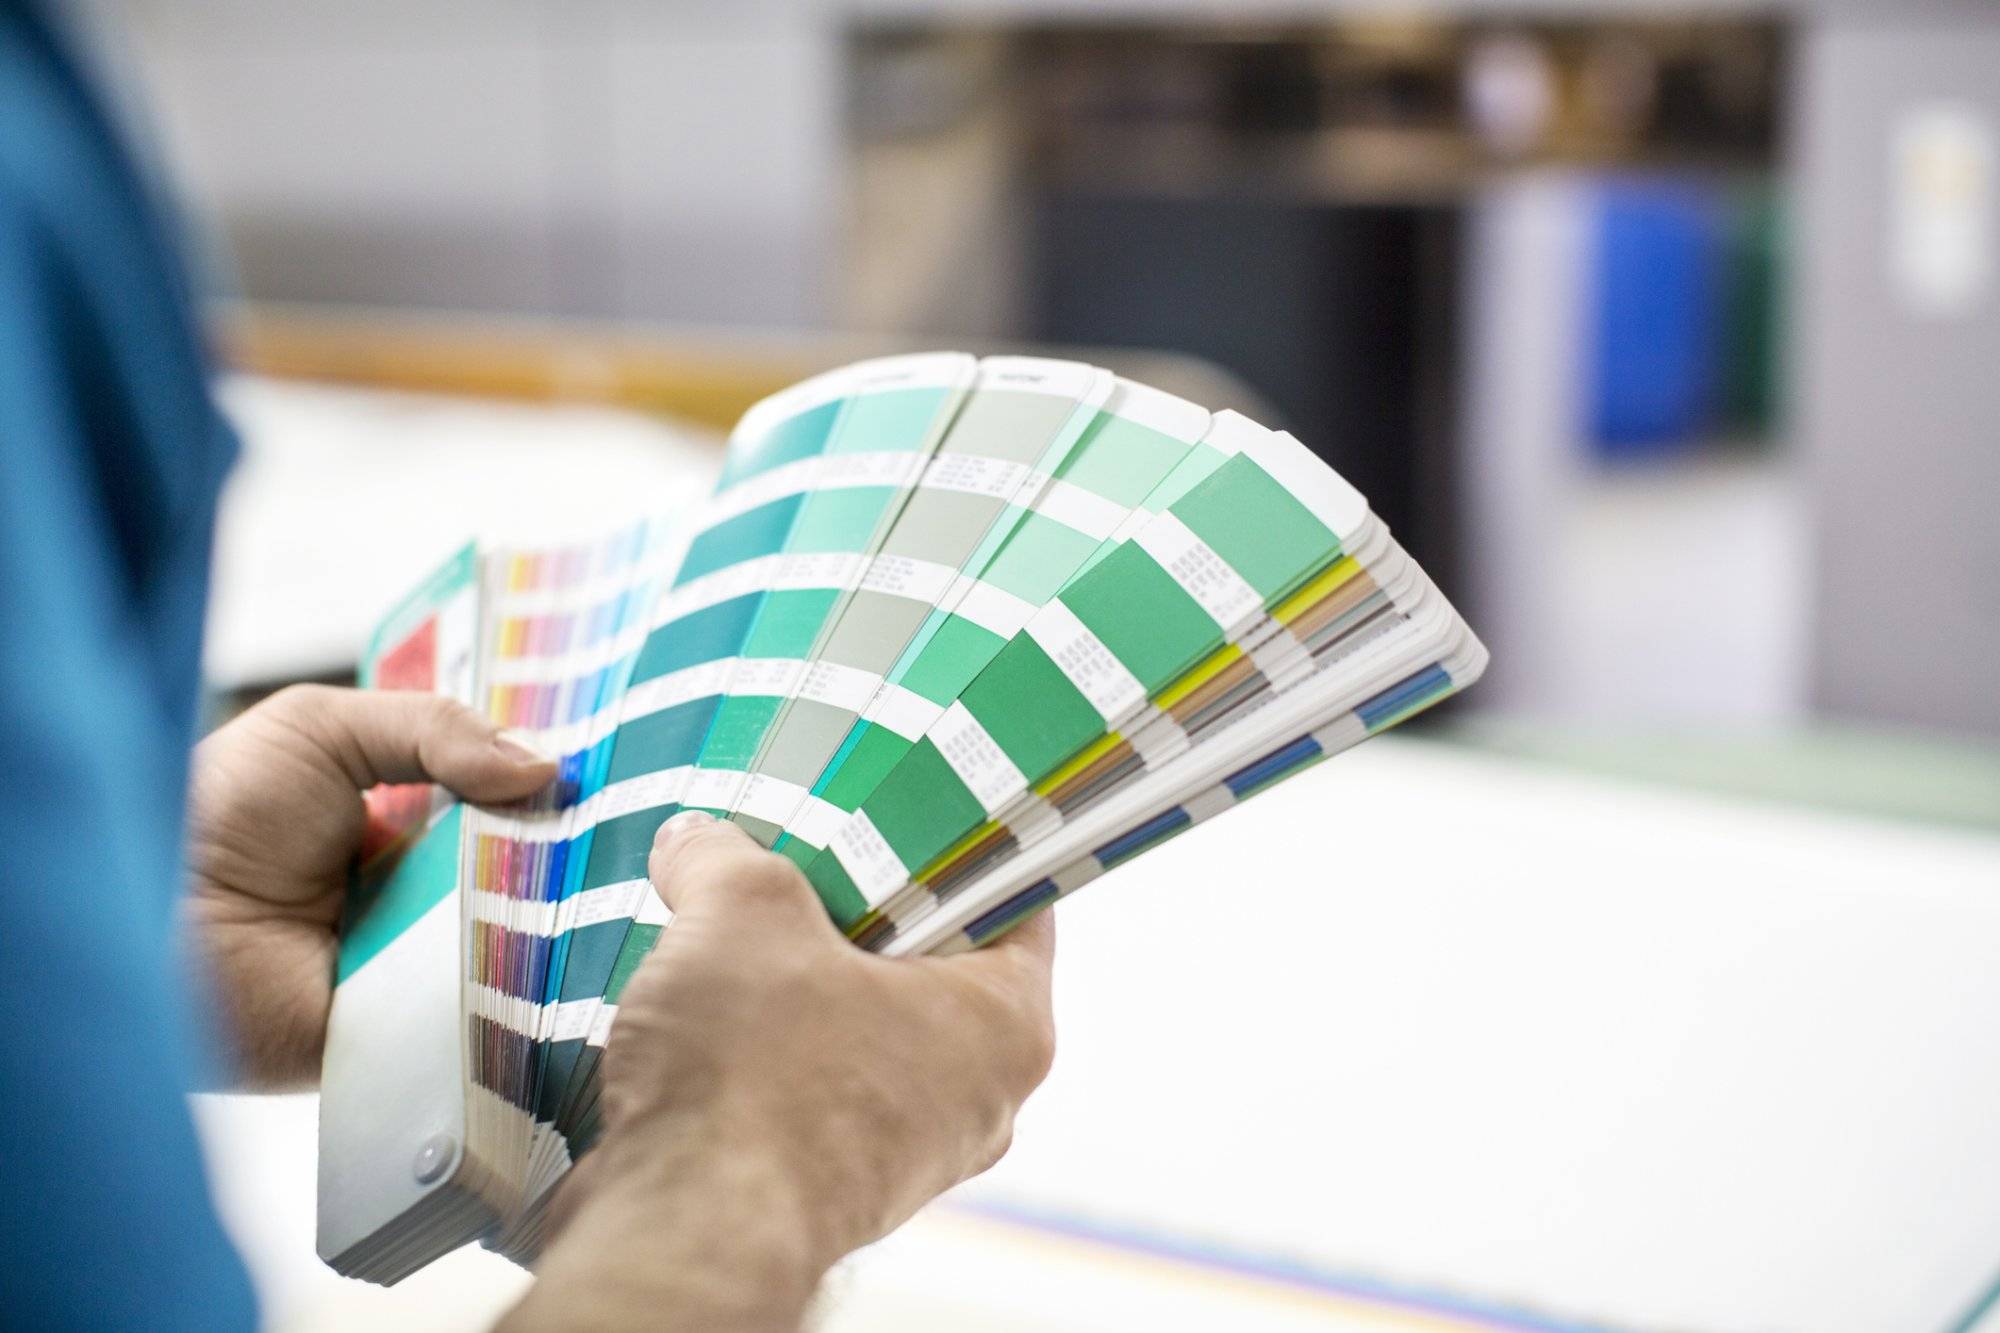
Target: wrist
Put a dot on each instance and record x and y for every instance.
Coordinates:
(684, 1227)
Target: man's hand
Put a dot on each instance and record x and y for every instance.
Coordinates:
(274, 819)
(776, 1097)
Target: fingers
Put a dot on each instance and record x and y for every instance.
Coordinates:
(1032, 944)
(701, 865)
(407, 736)
(1024, 957)
(1016, 971)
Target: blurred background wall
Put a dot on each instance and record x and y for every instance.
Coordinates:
(626, 159)
(1601, 301)
(1899, 328)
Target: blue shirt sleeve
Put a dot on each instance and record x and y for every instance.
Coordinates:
(111, 454)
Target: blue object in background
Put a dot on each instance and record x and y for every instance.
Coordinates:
(1656, 323)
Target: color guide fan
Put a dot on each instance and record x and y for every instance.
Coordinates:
(955, 635)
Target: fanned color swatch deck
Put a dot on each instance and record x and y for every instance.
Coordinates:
(955, 635)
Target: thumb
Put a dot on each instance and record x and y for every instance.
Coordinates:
(377, 736)
(707, 867)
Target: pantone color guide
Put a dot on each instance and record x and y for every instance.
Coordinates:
(957, 636)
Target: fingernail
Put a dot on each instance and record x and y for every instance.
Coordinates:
(520, 746)
(685, 821)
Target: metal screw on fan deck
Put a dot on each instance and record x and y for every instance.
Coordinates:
(435, 1158)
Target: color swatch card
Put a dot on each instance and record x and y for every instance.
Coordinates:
(956, 636)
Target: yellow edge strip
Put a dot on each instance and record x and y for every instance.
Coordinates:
(1085, 757)
(1319, 586)
(942, 861)
(1206, 670)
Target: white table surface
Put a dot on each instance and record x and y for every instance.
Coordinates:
(345, 498)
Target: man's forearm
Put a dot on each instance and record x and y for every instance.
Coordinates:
(710, 1242)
